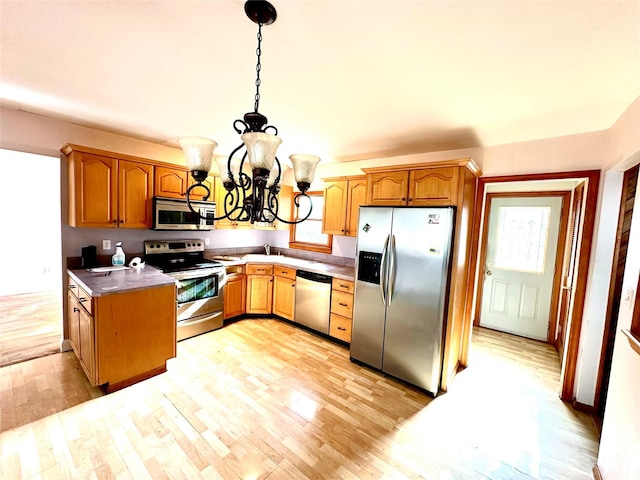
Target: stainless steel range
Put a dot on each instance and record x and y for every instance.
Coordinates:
(200, 283)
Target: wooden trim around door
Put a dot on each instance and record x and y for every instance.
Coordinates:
(562, 234)
(588, 225)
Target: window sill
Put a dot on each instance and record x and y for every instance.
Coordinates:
(634, 340)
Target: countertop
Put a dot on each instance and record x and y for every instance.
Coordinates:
(120, 281)
(337, 271)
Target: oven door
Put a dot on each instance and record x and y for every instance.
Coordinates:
(200, 301)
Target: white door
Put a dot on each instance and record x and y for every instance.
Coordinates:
(519, 266)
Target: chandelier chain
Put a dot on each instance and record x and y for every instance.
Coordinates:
(258, 68)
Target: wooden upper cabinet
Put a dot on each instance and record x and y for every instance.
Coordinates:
(335, 207)
(135, 194)
(387, 188)
(106, 191)
(171, 182)
(93, 191)
(342, 200)
(199, 193)
(420, 185)
(433, 186)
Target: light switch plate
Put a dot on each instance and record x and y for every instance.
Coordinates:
(106, 244)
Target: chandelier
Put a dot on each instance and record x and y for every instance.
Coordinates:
(250, 198)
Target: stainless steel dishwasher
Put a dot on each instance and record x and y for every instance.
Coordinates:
(313, 300)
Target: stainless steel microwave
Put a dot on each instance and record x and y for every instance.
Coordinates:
(174, 214)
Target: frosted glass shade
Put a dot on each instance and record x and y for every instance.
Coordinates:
(274, 173)
(223, 164)
(261, 149)
(304, 167)
(198, 152)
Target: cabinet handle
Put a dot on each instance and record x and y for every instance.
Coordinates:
(259, 269)
(410, 199)
(121, 221)
(72, 286)
(342, 328)
(75, 309)
(115, 221)
(404, 198)
(343, 285)
(82, 299)
(293, 284)
(342, 304)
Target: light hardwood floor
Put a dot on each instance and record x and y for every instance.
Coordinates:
(263, 399)
(30, 326)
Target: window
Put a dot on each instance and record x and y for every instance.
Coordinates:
(308, 234)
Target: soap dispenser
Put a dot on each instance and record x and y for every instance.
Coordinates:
(118, 257)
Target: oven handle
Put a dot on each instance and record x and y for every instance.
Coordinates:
(195, 321)
(188, 275)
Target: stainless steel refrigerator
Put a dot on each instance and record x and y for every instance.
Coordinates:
(402, 271)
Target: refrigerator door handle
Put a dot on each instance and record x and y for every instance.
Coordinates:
(392, 269)
(383, 272)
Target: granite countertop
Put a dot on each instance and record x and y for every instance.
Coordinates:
(337, 271)
(98, 284)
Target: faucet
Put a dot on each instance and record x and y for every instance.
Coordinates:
(267, 249)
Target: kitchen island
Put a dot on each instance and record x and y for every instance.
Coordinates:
(122, 324)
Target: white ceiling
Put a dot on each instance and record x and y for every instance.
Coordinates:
(345, 80)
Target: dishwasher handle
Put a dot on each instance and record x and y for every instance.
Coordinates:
(314, 277)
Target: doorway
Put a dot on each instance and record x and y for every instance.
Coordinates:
(31, 281)
(561, 181)
(522, 253)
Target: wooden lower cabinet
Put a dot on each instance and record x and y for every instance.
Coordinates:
(341, 315)
(235, 296)
(259, 288)
(122, 338)
(284, 292)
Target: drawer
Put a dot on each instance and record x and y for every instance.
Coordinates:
(73, 287)
(342, 303)
(259, 269)
(342, 285)
(286, 272)
(340, 327)
(85, 300)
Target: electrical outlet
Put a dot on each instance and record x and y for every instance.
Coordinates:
(207, 240)
(106, 244)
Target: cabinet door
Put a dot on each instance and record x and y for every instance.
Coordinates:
(433, 187)
(235, 296)
(259, 293)
(87, 338)
(284, 292)
(170, 182)
(335, 207)
(199, 193)
(94, 200)
(73, 321)
(135, 191)
(356, 197)
(388, 188)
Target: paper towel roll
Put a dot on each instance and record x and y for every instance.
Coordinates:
(135, 262)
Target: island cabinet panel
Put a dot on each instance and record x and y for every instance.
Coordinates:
(235, 296)
(446, 183)
(259, 288)
(171, 181)
(343, 197)
(284, 292)
(108, 190)
(122, 338)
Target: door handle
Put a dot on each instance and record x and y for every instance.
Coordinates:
(489, 273)
(383, 272)
(392, 271)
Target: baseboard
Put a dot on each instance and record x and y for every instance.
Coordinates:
(596, 473)
(65, 345)
(583, 407)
